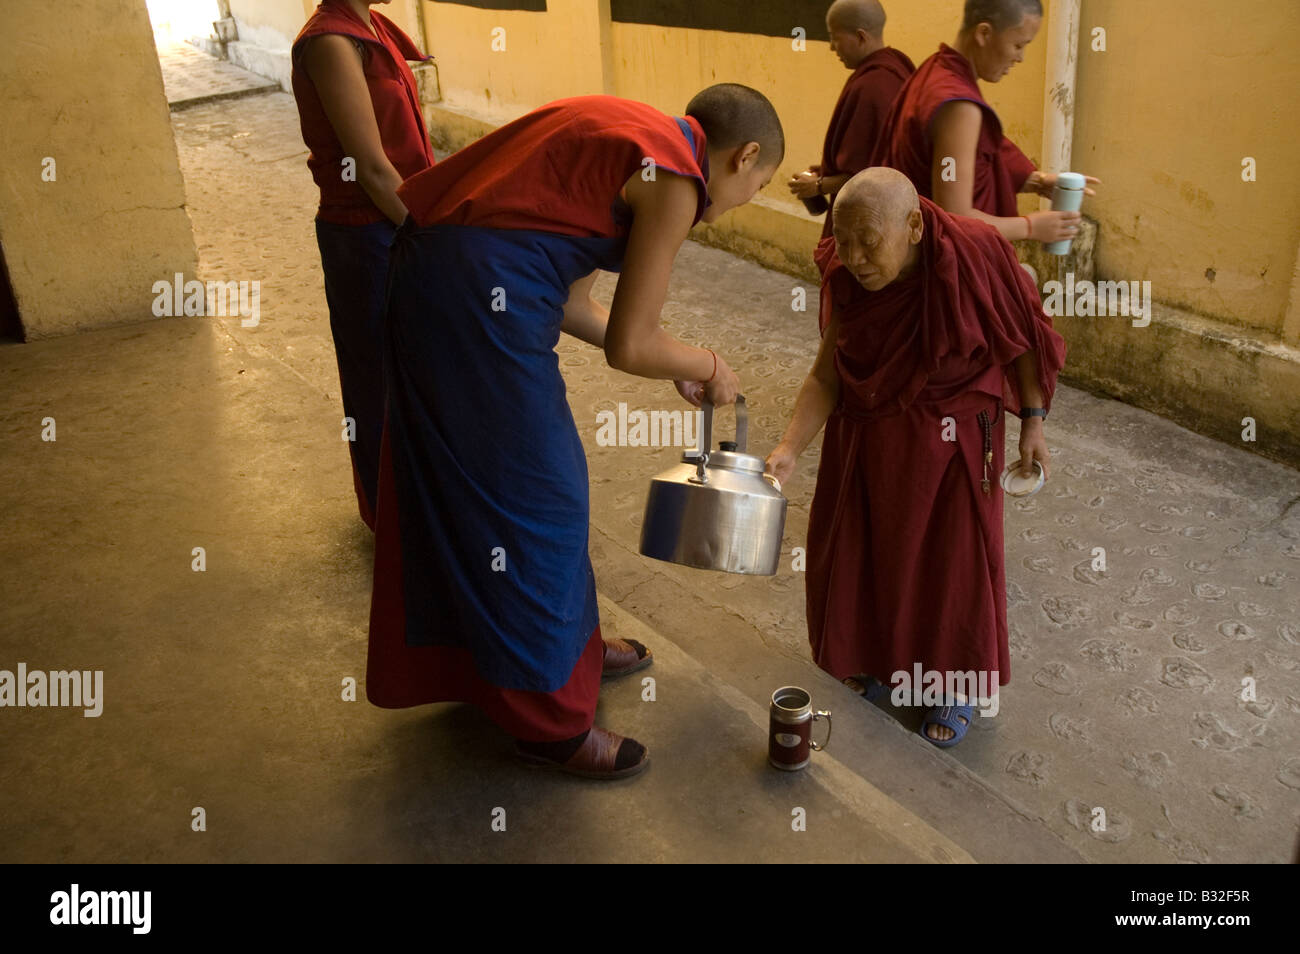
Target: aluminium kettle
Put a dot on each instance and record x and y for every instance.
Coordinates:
(716, 510)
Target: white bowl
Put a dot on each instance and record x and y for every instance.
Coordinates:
(1016, 486)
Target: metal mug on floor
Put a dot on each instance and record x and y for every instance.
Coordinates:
(789, 736)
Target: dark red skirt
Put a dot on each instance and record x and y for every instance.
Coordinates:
(905, 550)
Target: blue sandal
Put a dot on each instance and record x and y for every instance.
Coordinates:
(873, 687)
(950, 717)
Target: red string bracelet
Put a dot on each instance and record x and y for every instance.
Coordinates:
(715, 364)
(1029, 222)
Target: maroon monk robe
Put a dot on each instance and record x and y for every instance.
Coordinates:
(860, 112)
(905, 550)
(906, 143)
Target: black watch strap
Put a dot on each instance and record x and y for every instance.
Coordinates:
(1033, 412)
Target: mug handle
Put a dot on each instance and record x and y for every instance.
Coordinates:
(822, 714)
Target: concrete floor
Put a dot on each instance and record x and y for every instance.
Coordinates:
(223, 688)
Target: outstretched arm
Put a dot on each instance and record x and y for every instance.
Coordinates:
(817, 398)
(952, 179)
(663, 211)
(1033, 443)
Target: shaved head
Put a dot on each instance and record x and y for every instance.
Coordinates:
(1000, 14)
(885, 194)
(732, 115)
(853, 15)
(878, 227)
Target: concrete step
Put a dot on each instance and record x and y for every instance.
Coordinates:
(886, 780)
(708, 742)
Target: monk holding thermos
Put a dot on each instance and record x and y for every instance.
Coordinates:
(944, 136)
(934, 329)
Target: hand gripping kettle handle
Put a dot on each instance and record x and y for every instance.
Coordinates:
(742, 426)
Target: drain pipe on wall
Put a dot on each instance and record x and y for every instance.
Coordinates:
(1059, 82)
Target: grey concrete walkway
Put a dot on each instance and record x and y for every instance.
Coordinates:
(192, 77)
(223, 687)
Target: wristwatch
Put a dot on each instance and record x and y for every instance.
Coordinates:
(1026, 412)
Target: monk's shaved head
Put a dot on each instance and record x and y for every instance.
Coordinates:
(1000, 14)
(732, 115)
(884, 194)
(878, 226)
(853, 15)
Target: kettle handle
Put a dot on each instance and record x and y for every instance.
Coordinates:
(742, 426)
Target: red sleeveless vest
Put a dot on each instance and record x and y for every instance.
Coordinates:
(393, 94)
(558, 169)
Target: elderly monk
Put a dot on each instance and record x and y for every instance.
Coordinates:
(857, 29)
(484, 590)
(934, 330)
(948, 140)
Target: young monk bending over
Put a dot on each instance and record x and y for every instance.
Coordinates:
(483, 590)
(931, 321)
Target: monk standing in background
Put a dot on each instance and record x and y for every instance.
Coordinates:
(360, 113)
(944, 136)
(484, 590)
(857, 30)
(932, 321)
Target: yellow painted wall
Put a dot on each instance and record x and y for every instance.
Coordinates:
(1164, 117)
(1185, 90)
(85, 249)
(547, 56)
(286, 17)
(405, 13)
(666, 67)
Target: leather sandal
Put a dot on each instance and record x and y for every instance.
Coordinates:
(623, 656)
(594, 759)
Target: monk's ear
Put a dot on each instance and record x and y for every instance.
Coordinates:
(915, 226)
(747, 155)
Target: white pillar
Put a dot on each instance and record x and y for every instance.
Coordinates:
(1059, 85)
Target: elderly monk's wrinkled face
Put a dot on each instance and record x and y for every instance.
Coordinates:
(999, 51)
(874, 250)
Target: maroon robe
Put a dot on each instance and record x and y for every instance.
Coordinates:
(906, 143)
(905, 550)
(860, 113)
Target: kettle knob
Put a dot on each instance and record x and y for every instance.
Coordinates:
(727, 446)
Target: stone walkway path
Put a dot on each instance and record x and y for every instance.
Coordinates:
(1127, 683)
(192, 77)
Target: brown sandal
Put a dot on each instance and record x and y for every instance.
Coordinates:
(594, 759)
(623, 656)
